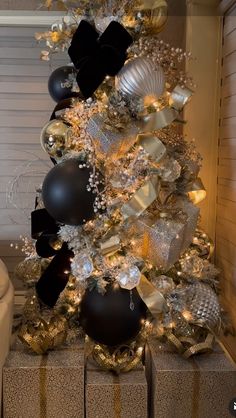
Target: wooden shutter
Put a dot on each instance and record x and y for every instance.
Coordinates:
(226, 193)
(25, 107)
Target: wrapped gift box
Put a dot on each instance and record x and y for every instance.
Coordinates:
(201, 387)
(49, 386)
(108, 142)
(111, 396)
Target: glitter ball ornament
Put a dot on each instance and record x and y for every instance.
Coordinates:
(129, 278)
(30, 270)
(54, 137)
(139, 77)
(82, 266)
(164, 284)
(203, 305)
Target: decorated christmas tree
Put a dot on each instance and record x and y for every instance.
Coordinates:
(118, 253)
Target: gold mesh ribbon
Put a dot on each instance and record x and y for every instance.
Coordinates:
(45, 336)
(141, 199)
(153, 299)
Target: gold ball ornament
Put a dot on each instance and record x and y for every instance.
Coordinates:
(153, 15)
(30, 270)
(54, 138)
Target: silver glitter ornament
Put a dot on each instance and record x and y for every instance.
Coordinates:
(54, 137)
(139, 77)
(129, 278)
(203, 306)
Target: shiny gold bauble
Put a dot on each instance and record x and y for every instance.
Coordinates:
(153, 15)
(54, 138)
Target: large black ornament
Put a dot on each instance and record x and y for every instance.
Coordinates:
(108, 319)
(96, 56)
(56, 83)
(65, 193)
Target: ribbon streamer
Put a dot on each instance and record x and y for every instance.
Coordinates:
(153, 299)
(152, 145)
(110, 246)
(159, 120)
(179, 97)
(141, 199)
(197, 191)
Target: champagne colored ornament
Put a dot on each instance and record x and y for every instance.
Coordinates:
(54, 137)
(139, 77)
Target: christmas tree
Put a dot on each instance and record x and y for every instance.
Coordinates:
(118, 253)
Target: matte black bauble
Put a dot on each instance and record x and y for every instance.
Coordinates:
(108, 319)
(65, 193)
(57, 83)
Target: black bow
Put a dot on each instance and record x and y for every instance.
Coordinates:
(97, 56)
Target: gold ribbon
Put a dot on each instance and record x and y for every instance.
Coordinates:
(159, 120)
(203, 347)
(197, 191)
(42, 386)
(153, 299)
(179, 97)
(152, 145)
(141, 199)
(111, 245)
(122, 359)
(46, 336)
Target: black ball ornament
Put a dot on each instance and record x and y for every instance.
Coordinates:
(65, 193)
(108, 319)
(57, 86)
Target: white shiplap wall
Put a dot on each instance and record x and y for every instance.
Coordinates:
(226, 190)
(25, 107)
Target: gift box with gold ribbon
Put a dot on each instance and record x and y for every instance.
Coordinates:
(109, 142)
(49, 385)
(163, 240)
(110, 395)
(200, 387)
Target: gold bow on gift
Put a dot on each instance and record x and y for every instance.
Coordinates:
(44, 336)
(120, 359)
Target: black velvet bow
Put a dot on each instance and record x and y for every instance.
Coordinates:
(97, 56)
(54, 279)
